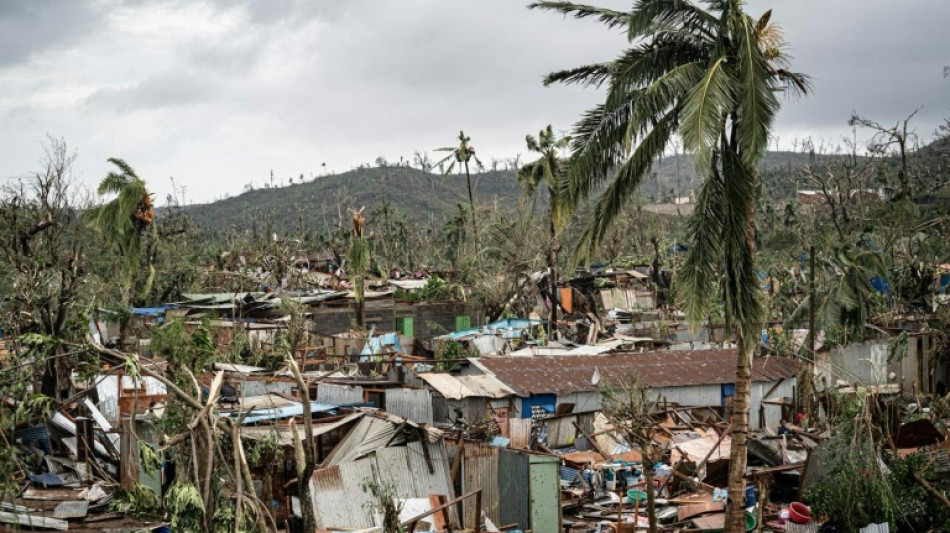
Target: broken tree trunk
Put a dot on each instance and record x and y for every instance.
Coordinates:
(129, 451)
(305, 453)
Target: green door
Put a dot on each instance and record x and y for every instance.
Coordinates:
(545, 494)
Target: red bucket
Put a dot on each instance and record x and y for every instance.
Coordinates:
(799, 513)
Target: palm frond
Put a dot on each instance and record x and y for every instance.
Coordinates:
(624, 183)
(609, 17)
(649, 15)
(588, 75)
(662, 95)
(703, 112)
(698, 278)
(758, 104)
(597, 148)
(741, 291)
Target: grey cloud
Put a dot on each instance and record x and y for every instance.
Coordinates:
(28, 27)
(295, 83)
(162, 90)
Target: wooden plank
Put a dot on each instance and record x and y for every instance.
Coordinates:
(696, 509)
(710, 522)
(438, 521)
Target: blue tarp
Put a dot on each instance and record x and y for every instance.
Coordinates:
(881, 285)
(388, 342)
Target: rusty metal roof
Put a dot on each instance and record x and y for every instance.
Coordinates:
(563, 375)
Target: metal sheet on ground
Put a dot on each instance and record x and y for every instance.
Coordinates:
(73, 509)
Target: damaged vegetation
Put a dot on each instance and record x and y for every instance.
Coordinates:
(654, 325)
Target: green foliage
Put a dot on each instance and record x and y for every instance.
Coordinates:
(141, 501)
(450, 352)
(193, 350)
(435, 290)
(855, 491)
(123, 219)
(263, 452)
(149, 458)
(185, 507)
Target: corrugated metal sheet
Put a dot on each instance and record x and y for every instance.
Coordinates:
(480, 471)
(339, 500)
(457, 387)
(583, 401)
(339, 394)
(514, 485)
(368, 435)
(276, 413)
(773, 413)
(519, 431)
(864, 363)
(260, 387)
(568, 374)
(691, 395)
(414, 404)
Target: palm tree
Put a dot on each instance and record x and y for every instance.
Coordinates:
(125, 218)
(706, 71)
(845, 295)
(548, 171)
(462, 155)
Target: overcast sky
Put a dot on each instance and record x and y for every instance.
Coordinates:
(217, 94)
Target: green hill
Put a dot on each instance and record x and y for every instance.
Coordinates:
(417, 194)
(421, 195)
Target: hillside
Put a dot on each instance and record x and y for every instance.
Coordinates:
(421, 195)
(413, 192)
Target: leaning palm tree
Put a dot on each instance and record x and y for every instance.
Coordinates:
(125, 219)
(548, 171)
(461, 155)
(708, 72)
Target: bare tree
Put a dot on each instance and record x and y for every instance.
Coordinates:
(898, 138)
(40, 252)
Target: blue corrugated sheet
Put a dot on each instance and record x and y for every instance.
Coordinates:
(277, 413)
(47, 479)
(35, 436)
(508, 327)
(569, 474)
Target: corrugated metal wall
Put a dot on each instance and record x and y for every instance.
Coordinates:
(339, 500)
(773, 413)
(513, 484)
(260, 387)
(864, 363)
(583, 401)
(339, 394)
(414, 404)
(480, 471)
(693, 395)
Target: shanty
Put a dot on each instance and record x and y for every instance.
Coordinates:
(657, 266)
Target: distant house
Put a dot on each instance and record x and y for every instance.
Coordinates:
(545, 385)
